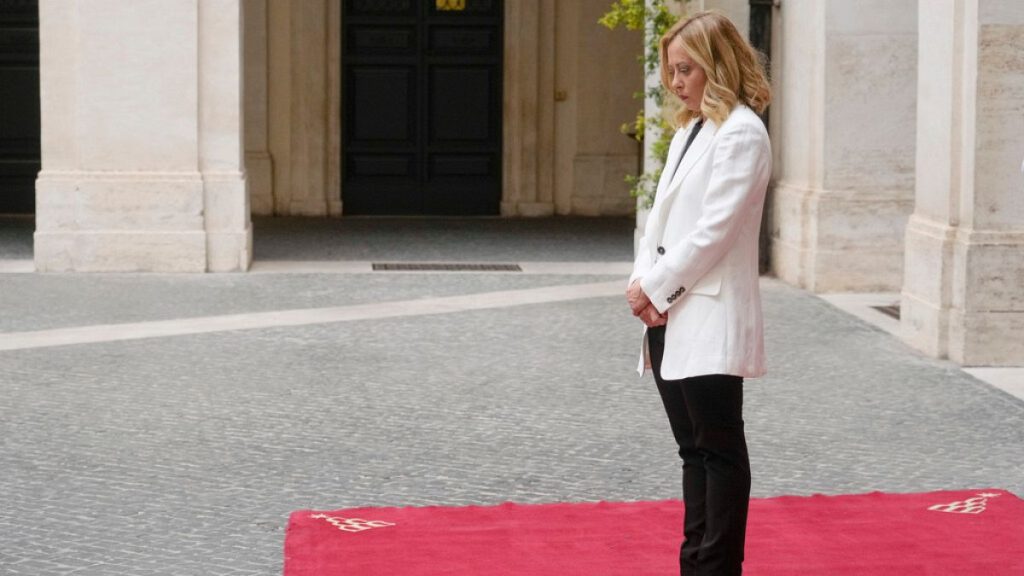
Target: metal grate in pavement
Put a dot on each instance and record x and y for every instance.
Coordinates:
(893, 310)
(454, 267)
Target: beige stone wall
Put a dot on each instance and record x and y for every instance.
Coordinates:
(598, 73)
(301, 87)
(568, 87)
(843, 125)
(528, 115)
(258, 162)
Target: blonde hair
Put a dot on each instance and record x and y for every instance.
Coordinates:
(735, 72)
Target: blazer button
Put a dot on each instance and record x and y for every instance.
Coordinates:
(661, 250)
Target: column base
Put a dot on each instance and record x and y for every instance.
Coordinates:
(961, 297)
(925, 303)
(826, 241)
(924, 325)
(142, 222)
(120, 251)
(91, 221)
(228, 228)
(229, 251)
(986, 338)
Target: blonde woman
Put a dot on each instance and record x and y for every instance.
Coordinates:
(695, 279)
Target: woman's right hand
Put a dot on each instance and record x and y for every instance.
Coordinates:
(651, 317)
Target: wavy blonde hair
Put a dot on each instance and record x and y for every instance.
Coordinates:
(735, 71)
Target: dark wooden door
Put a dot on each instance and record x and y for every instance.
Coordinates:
(421, 106)
(19, 105)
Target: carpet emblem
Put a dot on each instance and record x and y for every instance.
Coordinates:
(351, 524)
(974, 505)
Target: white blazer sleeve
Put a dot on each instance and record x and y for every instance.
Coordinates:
(642, 263)
(741, 166)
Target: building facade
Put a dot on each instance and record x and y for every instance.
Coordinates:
(899, 134)
(166, 125)
(144, 135)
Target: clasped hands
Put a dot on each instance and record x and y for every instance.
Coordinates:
(642, 307)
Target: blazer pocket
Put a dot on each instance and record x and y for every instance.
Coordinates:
(709, 285)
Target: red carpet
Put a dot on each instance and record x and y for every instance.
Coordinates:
(963, 533)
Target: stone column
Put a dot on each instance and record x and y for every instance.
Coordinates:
(221, 137)
(844, 131)
(303, 51)
(604, 78)
(528, 109)
(963, 293)
(142, 140)
(568, 85)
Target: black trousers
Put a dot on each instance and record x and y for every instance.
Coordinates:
(706, 416)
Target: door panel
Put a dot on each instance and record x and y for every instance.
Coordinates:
(379, 41)
(19, 105)
(457, 109)
(390, 92)
(422, 107)
(445, 40)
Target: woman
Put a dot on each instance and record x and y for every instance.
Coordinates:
(695, 279)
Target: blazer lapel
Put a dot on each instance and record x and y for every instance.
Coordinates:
(697, 149)
(671, 163)
(673, 172)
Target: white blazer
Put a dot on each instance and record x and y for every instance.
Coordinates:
(698, 258)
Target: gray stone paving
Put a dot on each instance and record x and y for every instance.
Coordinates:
(561, 239)
(44, 301)
(185, 455)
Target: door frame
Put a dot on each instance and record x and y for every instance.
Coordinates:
(527, 179)
(289, 64)
(423, 188)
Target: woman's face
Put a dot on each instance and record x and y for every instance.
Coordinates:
(688, 78)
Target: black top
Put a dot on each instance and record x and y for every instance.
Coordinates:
(689, 140)
(693, 134)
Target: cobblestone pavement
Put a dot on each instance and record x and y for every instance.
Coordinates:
(184, 455)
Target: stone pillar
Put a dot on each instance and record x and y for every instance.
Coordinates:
(221, 137)
(568, 86)
(142, 140)
(304, 128)
(963, 292)
(599, 82)
(844, 131)
(528, 109)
